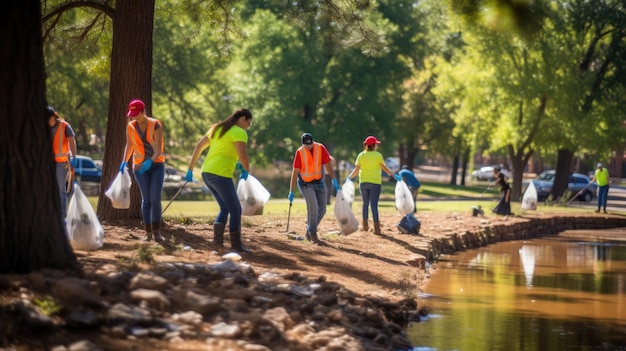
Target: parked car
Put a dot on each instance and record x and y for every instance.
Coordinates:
(486, 173)
(86, 170)
(577, 182)
(173, 175)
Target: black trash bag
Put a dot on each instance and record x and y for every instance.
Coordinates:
(409, 225)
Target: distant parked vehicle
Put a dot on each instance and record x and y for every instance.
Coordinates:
(173, 175)
(576, 183)
(86, 170)
(486, 173)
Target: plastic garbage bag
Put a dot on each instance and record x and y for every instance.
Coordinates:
(404, 198)
(343, 214)
(119, 190)
(348, 191)
(252, 196)
(83, 227)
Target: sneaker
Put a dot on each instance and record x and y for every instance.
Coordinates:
(604, 211)
(597, 211)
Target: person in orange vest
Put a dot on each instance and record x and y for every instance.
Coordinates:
(144, 141)
(307, 173)
(368, 165)
(64, 149)
(227, 142)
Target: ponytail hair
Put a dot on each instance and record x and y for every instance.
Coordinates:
(229, 122)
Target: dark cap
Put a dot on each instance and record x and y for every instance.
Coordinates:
(50, 111)
(306, 139)
(496, 168)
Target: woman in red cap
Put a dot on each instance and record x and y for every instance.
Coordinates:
(144, 141)
(369, 163)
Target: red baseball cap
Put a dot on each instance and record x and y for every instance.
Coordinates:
(135, 107)
(371, 140)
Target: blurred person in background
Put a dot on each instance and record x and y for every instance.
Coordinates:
(64, 149)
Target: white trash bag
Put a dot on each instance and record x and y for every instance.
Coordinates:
(529, 201)
(404, 198)
(119, 190)
(348, 191)
(343, 214)
(252, 196)
(83, 227)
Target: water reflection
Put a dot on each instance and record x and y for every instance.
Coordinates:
(544, 294)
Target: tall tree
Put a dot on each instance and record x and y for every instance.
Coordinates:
(32, 232)
(130, 78)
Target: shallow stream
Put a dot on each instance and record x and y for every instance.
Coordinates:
(554, 293)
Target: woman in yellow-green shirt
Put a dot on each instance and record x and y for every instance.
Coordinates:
(368, 165)
(227, 142)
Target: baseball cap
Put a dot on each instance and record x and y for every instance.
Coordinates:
(599, 165)
(50, 111)
(371, 140)
(135, 107)
(306, 139)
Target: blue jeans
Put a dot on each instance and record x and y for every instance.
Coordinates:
(223, 189)
(603, 192)
(151, 185)
(370, 193)
(61, 172)
(315, 197)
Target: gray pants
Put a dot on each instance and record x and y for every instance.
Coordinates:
(61, 172)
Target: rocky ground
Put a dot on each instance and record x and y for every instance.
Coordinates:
(356, 292)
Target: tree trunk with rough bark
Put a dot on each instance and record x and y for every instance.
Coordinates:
(32, 230)
(131, 78)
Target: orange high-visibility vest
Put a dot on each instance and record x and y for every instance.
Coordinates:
(139, 152)
(311, 163)
(60, 146)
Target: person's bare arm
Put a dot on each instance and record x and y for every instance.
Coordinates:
(242, 152)
(201, 145)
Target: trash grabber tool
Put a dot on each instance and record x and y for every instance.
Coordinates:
(174, 197)
(486, 190)
(578, 193)
(288, 216)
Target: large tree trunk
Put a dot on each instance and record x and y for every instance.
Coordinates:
(131, 78)
(563, 170)
(455, 168)
(32, 232)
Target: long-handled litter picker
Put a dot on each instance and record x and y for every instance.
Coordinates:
(174, 197)
(486, 190)
(288, 216)
(578, 193)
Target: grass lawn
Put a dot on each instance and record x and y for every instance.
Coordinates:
(432, 197)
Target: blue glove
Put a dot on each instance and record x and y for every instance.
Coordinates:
(348, 179)
(145, 166)
(398, 178)
(244, 174)
(290, 197)
(189, 176)
(122, 166)
(74, 162)
(239, 167)
(336, 184)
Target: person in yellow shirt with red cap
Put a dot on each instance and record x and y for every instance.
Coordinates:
(602, 178)
(368, 165)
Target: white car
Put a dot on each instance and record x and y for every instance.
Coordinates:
(486, 173)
